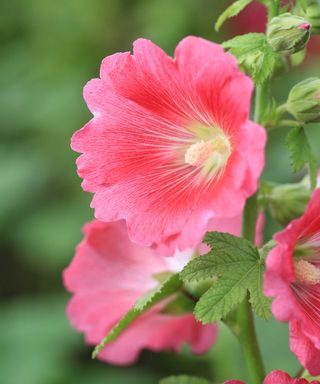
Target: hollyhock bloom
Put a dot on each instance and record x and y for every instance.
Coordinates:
(278, 377)
(107, 276)
(293, 279)
(170, 145)
(232, 225)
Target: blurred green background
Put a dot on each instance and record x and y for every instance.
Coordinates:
(49, 49)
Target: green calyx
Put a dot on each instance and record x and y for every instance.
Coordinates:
(288, 33)
(304, 100)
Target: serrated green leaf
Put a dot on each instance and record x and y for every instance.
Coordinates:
(183, 379)
(231, 11)
(222, 259)
(253, 54)
(222, 297)
(260, 303)
(301, 153)
(222, 241)
(237, 265)
(170, 286)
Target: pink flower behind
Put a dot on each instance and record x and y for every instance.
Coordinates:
(170, 145)
(293, 279)
(107, 276)
(278, 377)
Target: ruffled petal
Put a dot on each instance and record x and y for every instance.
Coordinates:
(304, 349)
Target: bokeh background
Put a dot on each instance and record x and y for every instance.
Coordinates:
(49, 49)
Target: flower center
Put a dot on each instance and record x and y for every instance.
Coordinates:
(211, 154)
(306, 272)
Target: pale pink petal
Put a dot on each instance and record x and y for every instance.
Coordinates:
(158, 333)
(107, 276)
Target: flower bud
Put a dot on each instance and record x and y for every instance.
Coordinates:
(288, 33)
(285, 202)
(304, 100)
(310, 10)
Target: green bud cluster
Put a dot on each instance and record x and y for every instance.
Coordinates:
(304, 100)
(288, 33)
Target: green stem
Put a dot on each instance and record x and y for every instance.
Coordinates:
(250, 214)
(261, 101)
(246, 327)
(289, 123)
(273, 9)
(300, 373)
(249, 344)
(282, 109)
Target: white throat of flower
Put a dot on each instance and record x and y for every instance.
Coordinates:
(211, 154)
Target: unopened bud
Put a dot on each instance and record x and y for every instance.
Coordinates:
(310, 10)
(304, 100)
(288, 33)
(285, 202)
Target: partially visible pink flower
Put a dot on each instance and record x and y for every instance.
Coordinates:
(293, 279)
(278, 377)
(107, 276)
(170, 145)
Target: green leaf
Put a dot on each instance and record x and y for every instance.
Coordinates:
(237, 267)
(301, 153)
(221, 259)
(170, 286)
(253, 54)
(222, 297)
(231, 11)
(183, 379)
(260, 303)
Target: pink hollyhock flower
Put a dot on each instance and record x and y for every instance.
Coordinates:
(107, 276)
(170, 145)
(293, 279)
(278, 377)
(232, 225)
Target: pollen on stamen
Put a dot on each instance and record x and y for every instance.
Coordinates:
(306, 272)
(197, 153)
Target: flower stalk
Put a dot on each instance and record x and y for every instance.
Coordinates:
(246, 327)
